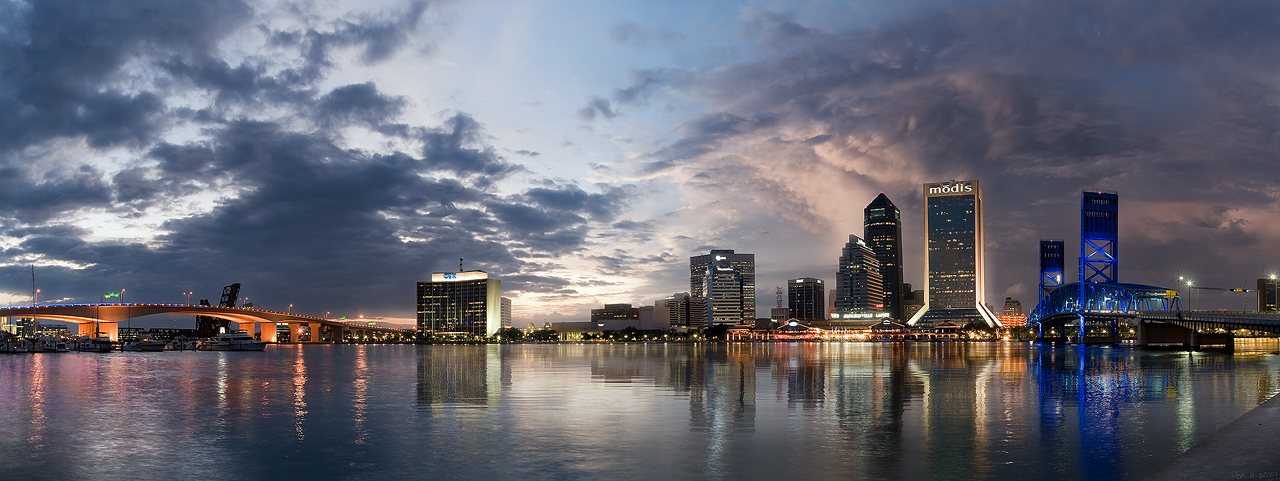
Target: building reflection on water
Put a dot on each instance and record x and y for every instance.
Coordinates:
(639, 410)
(459, 376)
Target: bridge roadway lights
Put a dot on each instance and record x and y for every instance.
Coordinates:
(1161, 333)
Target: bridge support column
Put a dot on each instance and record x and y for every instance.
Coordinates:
(109, 329)
(316, 331)
(266, 331)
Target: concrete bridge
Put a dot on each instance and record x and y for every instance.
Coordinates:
(108, 316)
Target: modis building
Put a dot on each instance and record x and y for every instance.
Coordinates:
(954, 287)
(460, 304)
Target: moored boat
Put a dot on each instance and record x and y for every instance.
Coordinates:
(232, 341)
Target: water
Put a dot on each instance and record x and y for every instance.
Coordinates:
(622, 411)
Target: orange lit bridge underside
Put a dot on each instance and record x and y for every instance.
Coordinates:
(264, 322)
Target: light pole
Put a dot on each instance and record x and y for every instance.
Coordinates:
(290, 309)
(35, 297)
(1189, 295)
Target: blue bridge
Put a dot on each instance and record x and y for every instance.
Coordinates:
(1097, 310)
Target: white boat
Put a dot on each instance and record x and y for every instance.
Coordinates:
(148, 345)
(129, 346)
(232, 341)
(182, 343)
(97, 344)
(53, 344)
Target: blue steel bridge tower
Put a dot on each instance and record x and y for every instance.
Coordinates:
(1099, 230)
(1052, 261)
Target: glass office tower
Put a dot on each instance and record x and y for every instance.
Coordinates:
(460, 304)
(882, 229)
(954, 275)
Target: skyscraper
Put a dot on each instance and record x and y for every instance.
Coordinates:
(1099, 233)
(1267, 295)
(859, 286)
(744, 265)
(460, 304)
(804, 298)
(954, 286)
(724, 296)
(882, 231)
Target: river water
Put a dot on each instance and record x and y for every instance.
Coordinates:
(622, 411)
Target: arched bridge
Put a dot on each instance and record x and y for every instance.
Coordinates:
(1097, 308)
(107, 316)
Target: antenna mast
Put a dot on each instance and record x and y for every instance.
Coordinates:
(460, 263)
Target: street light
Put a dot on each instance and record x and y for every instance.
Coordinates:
(290, 308)
(1189, 295)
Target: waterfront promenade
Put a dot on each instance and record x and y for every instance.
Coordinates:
(1244, 449)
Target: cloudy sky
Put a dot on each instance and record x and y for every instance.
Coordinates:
(330, 154)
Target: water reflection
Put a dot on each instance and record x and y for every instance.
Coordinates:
(461, 376)
(626, 411)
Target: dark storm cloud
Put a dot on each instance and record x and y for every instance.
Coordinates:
(40, 198)
(597, 106)
(358, 103)
(1170, 103)
(299, 217)
(62, 57)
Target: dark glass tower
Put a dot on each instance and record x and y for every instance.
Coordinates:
(805, 298)
(882, 229)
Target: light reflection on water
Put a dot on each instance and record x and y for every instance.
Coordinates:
(629, 411)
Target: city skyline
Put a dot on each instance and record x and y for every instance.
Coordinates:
(329, 156)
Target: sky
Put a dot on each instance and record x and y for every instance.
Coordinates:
(328, 155)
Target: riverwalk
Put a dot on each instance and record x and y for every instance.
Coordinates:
(1244, 449)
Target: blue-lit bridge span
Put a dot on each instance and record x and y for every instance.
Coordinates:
(108, 316)
(1098, 308)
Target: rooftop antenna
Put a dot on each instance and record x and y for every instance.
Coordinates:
(460, 263)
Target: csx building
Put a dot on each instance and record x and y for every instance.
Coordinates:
(459, 304)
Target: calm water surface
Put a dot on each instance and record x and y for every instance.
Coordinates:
(637, 411)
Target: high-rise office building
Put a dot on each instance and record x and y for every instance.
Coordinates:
(805, 299)
(1052, 255)
(1012, 306)
(465, 303)
(1267, 295)
(678, 306)
(506, 312)
(699, 266)
(1099, 233)
(882, 231)
(954, 286)
(724, 295)
(859, 286)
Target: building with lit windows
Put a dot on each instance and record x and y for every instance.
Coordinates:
(722, 283)
(882, 231)
(805, 299)
(954, 286)
(460, 304)
(678, 308)
(1267, 295)
(859, 285)
(506, 312)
